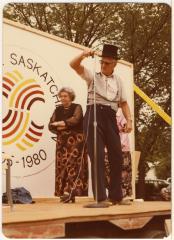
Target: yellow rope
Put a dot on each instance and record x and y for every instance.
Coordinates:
(153, 105)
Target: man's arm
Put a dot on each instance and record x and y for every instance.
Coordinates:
(76, 62)
(127, 115)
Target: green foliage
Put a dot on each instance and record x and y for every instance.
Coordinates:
(143, 34)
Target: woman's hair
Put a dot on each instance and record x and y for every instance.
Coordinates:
(68, 90)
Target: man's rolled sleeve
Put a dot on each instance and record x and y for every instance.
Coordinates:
(86, 75)
(123, 96)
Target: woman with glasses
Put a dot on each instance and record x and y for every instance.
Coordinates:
(71, 178)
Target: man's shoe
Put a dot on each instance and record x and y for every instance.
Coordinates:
(122, 202)
(125, 202)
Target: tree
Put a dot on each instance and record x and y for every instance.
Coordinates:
(148, 47)
(75, 22)
(143, 34)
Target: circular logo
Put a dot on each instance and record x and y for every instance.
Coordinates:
(29, 99)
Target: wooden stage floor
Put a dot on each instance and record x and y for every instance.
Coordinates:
(46, 218)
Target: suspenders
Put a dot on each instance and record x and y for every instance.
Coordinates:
(117, 97)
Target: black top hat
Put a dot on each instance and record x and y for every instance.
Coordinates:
(109, 51)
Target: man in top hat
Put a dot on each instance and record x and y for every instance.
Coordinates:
(109, 93)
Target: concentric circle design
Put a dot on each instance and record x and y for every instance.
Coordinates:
(17, 125)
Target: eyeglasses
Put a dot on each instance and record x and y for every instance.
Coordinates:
(107, 63)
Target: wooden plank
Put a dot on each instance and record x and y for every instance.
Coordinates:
(137, 159)
(53, 37)
(54, 210)
(47, 217)
(135, 156)
(131, 223)
(168, 226)
(46, 229)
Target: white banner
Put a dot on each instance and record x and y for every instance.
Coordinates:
(35, 67)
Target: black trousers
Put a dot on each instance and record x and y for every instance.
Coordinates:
(107, 136)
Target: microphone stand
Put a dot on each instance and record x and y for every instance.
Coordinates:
(97, 203)
(8, 184)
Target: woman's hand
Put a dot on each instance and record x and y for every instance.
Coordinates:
(54, 124)
(61, 128)
(58, 124)
(61, 124)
